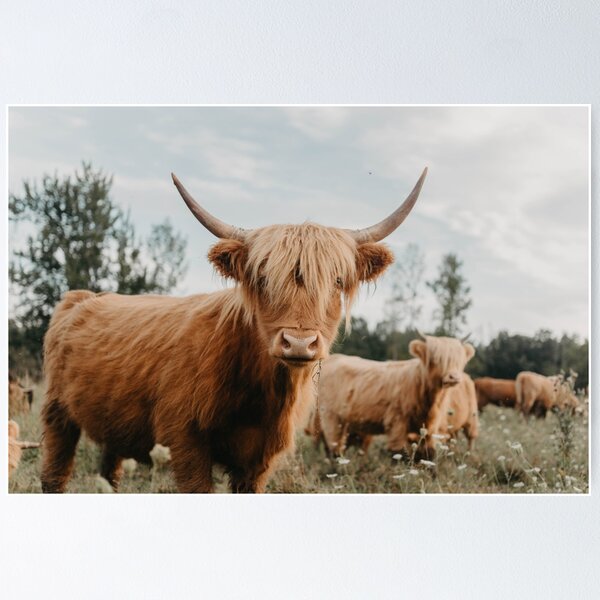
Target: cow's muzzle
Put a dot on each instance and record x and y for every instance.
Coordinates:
(298, 346)
(451, 379)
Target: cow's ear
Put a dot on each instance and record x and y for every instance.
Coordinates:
(418, 348)
(372, 260)
(469, 351)
(229, 258)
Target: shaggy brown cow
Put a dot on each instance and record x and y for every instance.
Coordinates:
(19, 397)
(15, 447)
(538, 394)
(456, 410)
(394, 397)
(501, 392)
(219, 378)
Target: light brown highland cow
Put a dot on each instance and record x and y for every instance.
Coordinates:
(537, 394)
(219, 378)
(367, 397)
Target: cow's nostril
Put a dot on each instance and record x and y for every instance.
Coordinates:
(314, 345)
(285, 344)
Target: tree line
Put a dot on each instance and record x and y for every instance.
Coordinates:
(503, 357)
(81, 239)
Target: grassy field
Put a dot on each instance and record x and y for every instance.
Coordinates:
(510, 456)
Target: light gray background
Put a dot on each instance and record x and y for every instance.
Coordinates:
(299, 547)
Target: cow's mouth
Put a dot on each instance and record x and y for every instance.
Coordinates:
(297, 362)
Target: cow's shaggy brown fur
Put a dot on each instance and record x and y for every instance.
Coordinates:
(501, 392)
(198, 374)
(395, 397)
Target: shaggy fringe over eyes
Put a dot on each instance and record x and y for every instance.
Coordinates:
(315, 255)
(446, 353)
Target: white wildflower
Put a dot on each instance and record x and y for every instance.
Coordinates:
(343, 461)
(576, 489)
(503, 417)
(414, 472)
(427, 463)
(450, 454)
(516, 446)
(338, 487)
(399, 476)
(160, 455)
(423, 431)
(397, 456)
(129, 465)
(437, 436)
(443, 447)
(461, 467)
(519, 484)
(331, 475)
(102, 485)
(502, 458)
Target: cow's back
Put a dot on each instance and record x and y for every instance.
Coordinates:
(501, 392)
(357, 388)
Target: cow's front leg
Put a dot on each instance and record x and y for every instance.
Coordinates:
(191, 461)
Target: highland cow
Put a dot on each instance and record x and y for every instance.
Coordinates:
(394, 398)
(221, 378)
(537, 394)
(501, 392)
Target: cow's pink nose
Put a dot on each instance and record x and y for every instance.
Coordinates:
(451, 378)
(293, 347)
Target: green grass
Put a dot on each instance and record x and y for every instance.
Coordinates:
(511, 455)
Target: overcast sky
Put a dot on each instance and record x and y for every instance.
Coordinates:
(507, 188)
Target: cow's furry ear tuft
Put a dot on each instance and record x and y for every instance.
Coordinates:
(229, 258)
(469, 351)
(372, 260)
(418, 348)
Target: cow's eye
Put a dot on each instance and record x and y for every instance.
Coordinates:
(339, 282)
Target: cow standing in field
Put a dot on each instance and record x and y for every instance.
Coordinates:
(219, 378)
(501, 392)
(456, 410)
(19, 397)
(395, 398)
(538, 394)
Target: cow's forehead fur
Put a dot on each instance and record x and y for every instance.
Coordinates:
(445, 353)
(322, 256)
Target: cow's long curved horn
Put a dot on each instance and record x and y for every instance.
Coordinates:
(421, 334)
(377, 232)
(214, 225)
(464, 339)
